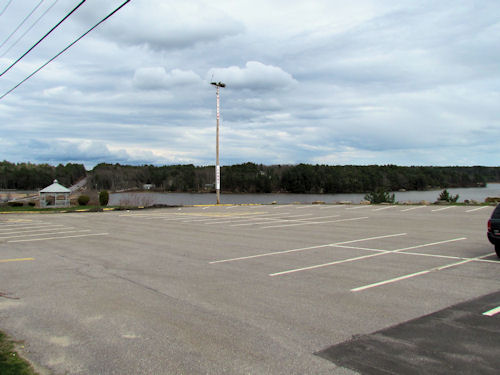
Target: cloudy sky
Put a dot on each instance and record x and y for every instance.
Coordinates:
(409, 82)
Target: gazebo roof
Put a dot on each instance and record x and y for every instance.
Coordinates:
(55, 188)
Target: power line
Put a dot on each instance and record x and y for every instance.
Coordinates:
(5, 8)
(28, 51)
(65, 49)
(30, 28)
(22, 22)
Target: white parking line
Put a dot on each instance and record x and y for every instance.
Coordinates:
(363, 257)
(274, 220)
(442, 209)
(44, 234)
(59, 238)
(130, 214)
(306, 248)
(418, 254)
(477, 209)
(287, 220)
(23, 230)
(245, 218)
(411, 275)
(492, 312)
(19, 224)
(332, 206)
(384, 208)
(412, 208)
(31, 227)
(358, 207)
(315, 222)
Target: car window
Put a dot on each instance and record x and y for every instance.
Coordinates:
(496, 213)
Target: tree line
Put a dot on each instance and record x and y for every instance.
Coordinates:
(301, 178)
(248, 177)
(28, 176)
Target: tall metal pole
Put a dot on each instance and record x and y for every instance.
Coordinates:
(217, 164)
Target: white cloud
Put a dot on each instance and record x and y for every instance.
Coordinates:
(166, 25)
(323, 81)
(254, 76)
(157, 78)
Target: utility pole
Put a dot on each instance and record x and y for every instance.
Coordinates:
(217, 165)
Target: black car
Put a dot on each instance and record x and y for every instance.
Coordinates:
(494, 229)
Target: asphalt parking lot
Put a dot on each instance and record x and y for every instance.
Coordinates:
(247, 289)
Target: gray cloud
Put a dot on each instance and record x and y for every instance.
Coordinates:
(322, 81)
(254, 76)
(164, 25)
(157, 78)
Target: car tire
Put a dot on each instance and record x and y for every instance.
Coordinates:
(497, 249)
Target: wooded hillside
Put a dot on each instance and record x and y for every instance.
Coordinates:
(27, 176)
(248, 177)
(301, 178)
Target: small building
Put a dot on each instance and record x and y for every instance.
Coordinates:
(54, 195)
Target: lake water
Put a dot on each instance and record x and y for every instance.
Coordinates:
(150, 198)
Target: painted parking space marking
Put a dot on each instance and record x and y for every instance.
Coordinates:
(305, 248)
(15, 221)
(268, 219)
(273, 220)
(16, 260)
(412, 208)
(315, 222)
(442, 209)
(44, 234)
(492, 312)
(25, 231)
(19, 226)
(59, 238)
(417, 254)
(420, 273)
(247, 218)
(477, 209)
(447, 257)
(384, 208)
(382, 252)
(229, 216)
(288, 219)
(358, 207)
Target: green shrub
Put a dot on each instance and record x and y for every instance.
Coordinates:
(103, 198)
(380, 196)
(83, 200)
(447, 197)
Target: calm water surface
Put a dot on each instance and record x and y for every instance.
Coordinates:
(149, 198)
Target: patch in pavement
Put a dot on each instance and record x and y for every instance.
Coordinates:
(456, 340)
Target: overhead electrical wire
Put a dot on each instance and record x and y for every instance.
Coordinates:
(5, 8)
(30, 28)
(22, 22)
(43, 37)
(65, 49)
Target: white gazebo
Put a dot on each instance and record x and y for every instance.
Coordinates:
(54, 195)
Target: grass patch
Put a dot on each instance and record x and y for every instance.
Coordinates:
(10, 362)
